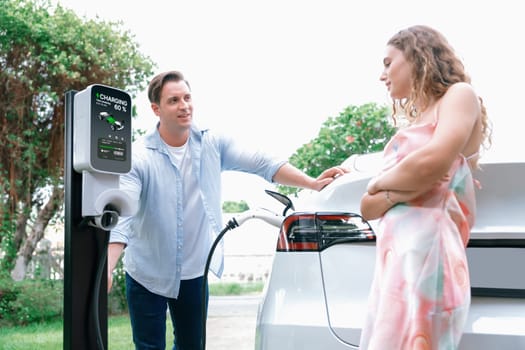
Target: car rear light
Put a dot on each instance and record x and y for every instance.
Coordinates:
(318, 231)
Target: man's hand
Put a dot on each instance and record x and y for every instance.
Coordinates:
(328, 176)
(114, 252)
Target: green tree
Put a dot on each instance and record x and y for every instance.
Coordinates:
(234, 207)
(356, 130)
(45, 51)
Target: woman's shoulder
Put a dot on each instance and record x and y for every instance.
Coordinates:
(460, 90)
(460, 95)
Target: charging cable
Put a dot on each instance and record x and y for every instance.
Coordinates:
(229, 226)
(263, 214)
(105, 223)
(96, 292)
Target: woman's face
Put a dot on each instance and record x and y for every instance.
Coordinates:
(397, 73)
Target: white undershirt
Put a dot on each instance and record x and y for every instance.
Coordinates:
(196, 238)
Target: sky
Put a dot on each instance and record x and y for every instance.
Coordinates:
(271, 72)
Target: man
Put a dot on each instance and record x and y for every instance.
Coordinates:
(176, 179)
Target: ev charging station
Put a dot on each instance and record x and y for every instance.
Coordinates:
(97, 151)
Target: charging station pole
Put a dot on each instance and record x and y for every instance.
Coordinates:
(83, 249)
(97, 151)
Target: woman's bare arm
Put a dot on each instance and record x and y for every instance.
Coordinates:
(419, 171)
(373, 206)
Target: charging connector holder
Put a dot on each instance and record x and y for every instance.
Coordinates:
(102, 200)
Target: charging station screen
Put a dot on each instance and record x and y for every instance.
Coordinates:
(111, 149)
(110, 129)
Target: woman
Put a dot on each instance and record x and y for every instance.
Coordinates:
(424, 197)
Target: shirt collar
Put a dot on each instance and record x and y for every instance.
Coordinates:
(153, 140)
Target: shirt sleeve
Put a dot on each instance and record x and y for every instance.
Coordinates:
(253, 161)
(131, 184)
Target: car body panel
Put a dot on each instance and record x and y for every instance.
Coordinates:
(345, 267)
(315, 298)
(295, 317)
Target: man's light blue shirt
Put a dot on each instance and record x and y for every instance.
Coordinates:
(154, 236)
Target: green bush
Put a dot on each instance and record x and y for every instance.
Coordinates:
(117, 303)
(233, 288)
(30, 301)
(8, 294)
(41, 301)
(234, 207)
(356, 130)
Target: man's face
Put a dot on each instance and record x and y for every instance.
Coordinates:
(175, 109)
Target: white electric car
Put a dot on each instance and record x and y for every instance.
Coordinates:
(316, 295)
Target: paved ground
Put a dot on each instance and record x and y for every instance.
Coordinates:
(231, 322)
(248, 256)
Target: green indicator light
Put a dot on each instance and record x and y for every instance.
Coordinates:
(111, 120)
(107, 147)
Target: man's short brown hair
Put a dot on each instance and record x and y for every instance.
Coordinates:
(157, 83)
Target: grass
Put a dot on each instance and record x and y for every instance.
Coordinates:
(38, 336)
(232, 288)
(49, 336)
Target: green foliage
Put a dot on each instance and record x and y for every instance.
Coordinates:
(35, 301)
(41, 301)
(8, 295)
(356, 130)
(30, 301)
(234, 207)
(46, 51)
(7, 227)
(117, 303)
(233, 288)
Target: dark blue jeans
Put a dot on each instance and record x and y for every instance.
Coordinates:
(148, 315)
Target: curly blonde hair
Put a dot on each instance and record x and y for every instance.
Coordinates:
(435, 67)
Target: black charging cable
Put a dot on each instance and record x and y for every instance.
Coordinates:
(88, 221)
(96, 292)
(229, 226)
(108, 222)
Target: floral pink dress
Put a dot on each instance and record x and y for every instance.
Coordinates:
(420, 295)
